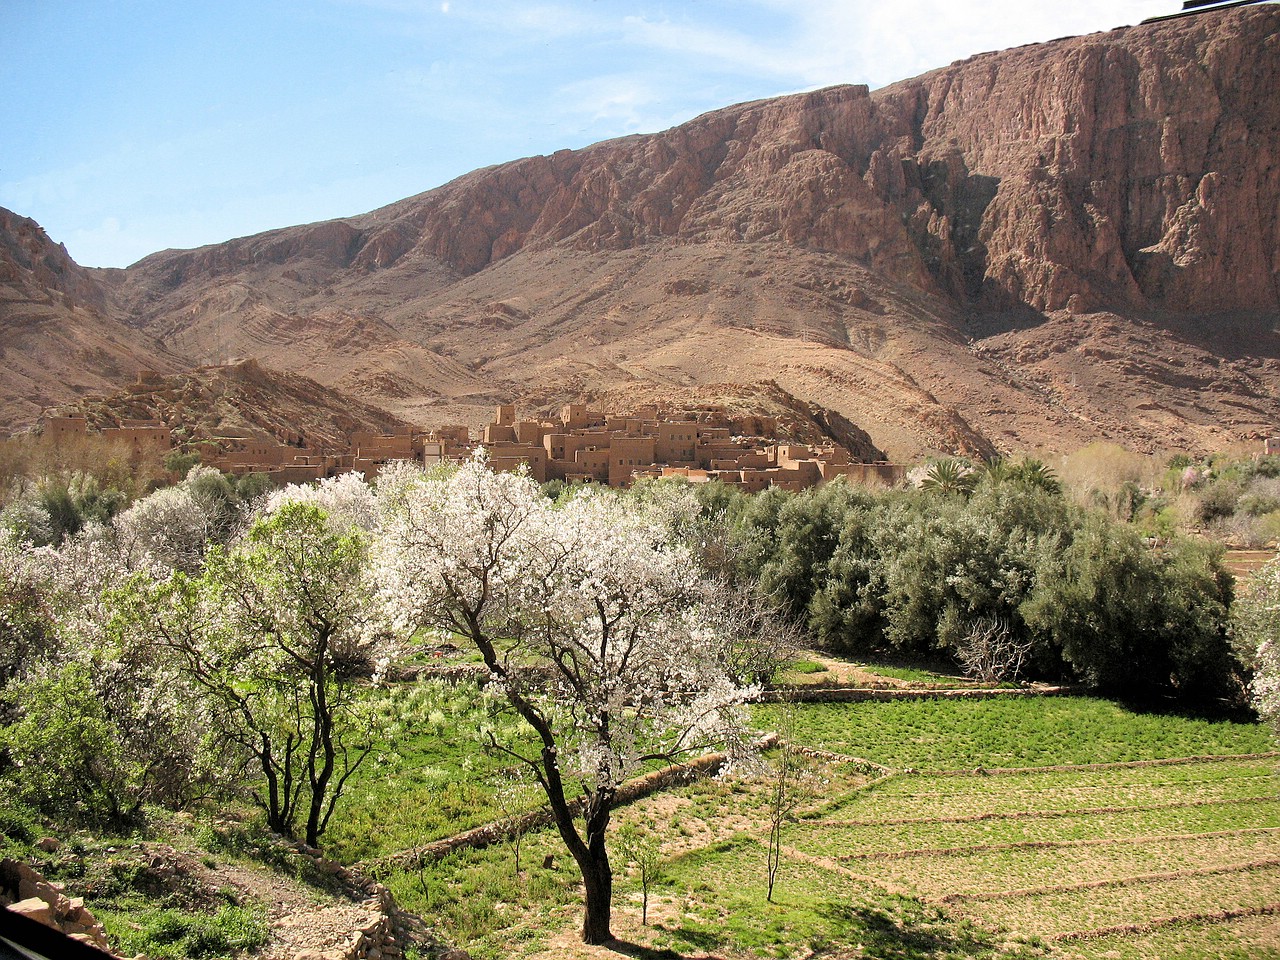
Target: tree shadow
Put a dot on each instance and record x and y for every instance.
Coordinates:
(888, 937)
(641, 952)
(1158, 704)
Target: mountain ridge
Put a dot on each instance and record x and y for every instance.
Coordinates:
(1025, 250)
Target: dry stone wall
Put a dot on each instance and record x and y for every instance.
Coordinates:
(388, 929)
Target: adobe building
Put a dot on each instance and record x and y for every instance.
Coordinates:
(65, 429)
(146, 439)
(143, 438)
(580, 445)
(701, 445)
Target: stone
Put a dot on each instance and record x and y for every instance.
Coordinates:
(48, 844)
(33, 908)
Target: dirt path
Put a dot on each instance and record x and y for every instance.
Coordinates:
(844, 673)
(301, 917)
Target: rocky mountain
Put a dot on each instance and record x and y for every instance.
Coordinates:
(1029, 249)
(60, 334)
(236, 400)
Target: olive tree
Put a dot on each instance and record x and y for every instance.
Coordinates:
(591, 623)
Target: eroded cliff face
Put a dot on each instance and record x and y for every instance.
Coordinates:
(916, 258)
(34, 268)
(1129, 170)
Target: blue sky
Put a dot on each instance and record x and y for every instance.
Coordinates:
(130, 126)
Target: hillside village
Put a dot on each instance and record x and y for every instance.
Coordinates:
(580, 445)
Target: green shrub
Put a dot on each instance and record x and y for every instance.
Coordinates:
(65, 759)
(18, 823)
(1218, 500)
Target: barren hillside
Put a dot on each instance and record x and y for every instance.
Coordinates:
(1025, 250)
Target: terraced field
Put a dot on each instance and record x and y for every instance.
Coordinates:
(1069, 856)
(1064, 827)
(1158, 857)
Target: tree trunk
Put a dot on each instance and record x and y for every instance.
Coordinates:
(597, 881)
(276, 807)
(321, 747)
(597, 873)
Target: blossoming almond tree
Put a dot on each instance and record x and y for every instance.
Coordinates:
(590, 621)
(1256, 624)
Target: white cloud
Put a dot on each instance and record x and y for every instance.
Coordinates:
(879, 43)
(617, 105)
(838, 41)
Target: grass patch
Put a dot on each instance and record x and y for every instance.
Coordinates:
(1251, 938)
(924, 797)
(476, 898)
(912, 674)
(804, 673)
(807, 666)
(169, 934)
(955, 734)
(430, 778)
(1083, 910)
(989, 872)
(715, 899)
(839, 840)
(1214, 846)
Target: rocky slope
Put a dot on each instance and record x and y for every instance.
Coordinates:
(59, 334)
(1027, 249)
(235, 400)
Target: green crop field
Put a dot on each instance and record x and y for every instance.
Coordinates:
(946, 734)
(1057, 827)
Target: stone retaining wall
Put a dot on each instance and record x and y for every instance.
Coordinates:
(674, 775)
(391, 929)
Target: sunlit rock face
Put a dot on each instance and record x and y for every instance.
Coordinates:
(1034, 248)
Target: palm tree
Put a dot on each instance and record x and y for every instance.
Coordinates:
(1035, 474)
(950, 476)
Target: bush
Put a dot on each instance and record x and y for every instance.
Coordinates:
(1218, 500)
(63, 756)
(1262, 497)
(18, 823)
(1077, 592)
